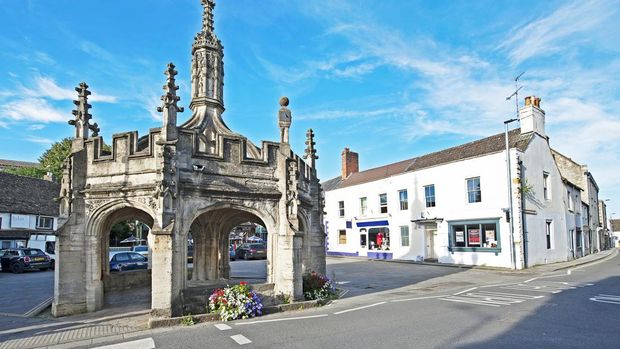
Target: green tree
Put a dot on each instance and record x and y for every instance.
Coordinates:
(53, 158)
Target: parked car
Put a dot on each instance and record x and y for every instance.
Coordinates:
(45, 242)
(231, 253)
(251, 251)
(142, 249)
(121, 261)
(19, 259)
(190, 253)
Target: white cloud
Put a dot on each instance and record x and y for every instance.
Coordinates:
(32, 110)
(555, 32)
(36, 127)
(45, 87)
(39, 140)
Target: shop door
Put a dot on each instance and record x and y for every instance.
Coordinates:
(363, 243)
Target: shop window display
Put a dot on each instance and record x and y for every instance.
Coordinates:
(475, 234)
(379, 239)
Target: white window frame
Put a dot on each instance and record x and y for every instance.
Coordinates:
(404, 204)
(405, 229)
(549, 234)
(546, 188)
(474, 191)
(340, 208)
(340, 234)
(382, 205)
(427, 197)
(40, 226)
(363, 206)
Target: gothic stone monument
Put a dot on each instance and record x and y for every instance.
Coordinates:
(199, 177)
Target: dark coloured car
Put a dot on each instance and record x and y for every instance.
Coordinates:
(251, 251)
(18, 260)
(231, 253)
(122, 261)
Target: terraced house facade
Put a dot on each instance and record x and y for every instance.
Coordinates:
(453, 206)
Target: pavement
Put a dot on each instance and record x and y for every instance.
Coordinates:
(124, 320)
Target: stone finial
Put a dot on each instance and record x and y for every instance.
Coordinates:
(310, 152)
(169, 107)
(82, 116)
(207, 16)
(284, 119)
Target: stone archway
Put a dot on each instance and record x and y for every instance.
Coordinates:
(210, 229)
(97, 232)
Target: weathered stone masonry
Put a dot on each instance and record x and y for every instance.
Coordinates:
(199, 177)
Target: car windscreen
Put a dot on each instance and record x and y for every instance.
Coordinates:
(33, 252)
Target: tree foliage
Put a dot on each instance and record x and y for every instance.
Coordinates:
(53, 158)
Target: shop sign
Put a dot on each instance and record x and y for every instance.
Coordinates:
(474, 236)
(20, 221)
(460, 236)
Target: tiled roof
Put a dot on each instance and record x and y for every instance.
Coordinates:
(489, 145)
(17, 164)
(26, 195)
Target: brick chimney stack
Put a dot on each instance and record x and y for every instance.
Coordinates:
(350, 163)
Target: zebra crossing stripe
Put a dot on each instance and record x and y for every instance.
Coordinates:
(606, 298)
(467, 300)
(511, 295)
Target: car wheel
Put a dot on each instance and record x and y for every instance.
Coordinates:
(53, 265)
(17, 268)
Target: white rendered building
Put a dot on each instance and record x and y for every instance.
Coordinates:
(452, 206)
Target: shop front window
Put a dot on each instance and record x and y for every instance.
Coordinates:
(379, 238)
(342, 237)
(477, 235)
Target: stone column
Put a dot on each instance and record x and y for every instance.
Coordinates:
(212, 257)
(199, 258)
(168, 274)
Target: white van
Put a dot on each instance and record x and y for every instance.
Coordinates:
(45, 243)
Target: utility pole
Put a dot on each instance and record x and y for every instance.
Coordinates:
(513, 255)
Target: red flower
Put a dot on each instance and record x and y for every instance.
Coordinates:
(242, 283)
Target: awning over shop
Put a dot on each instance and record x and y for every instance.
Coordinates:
(372, 224)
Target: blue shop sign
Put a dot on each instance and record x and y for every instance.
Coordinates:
(372, 224)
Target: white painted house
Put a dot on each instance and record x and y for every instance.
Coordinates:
(452, 206)
(27, 208)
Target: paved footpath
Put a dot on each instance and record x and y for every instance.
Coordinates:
(95, 329)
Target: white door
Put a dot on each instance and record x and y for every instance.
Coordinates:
(430, 244)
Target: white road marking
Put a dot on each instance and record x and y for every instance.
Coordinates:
(240, 339)
(468, 301)
(418, 298)
(277, 320)
(359, 308)
(146, 343)
(489, 298)
(470, 289)
(606, 298)
(342, 282)
(222, 327)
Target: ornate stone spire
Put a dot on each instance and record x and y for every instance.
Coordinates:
(310, 152)
(169, 106)
(207, 84)
(82, 116)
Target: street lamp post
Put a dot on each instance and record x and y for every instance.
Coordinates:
(513, 257)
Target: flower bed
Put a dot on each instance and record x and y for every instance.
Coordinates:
(318, 287)
(235, 302)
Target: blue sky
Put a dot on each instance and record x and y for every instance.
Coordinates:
(389, 79)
